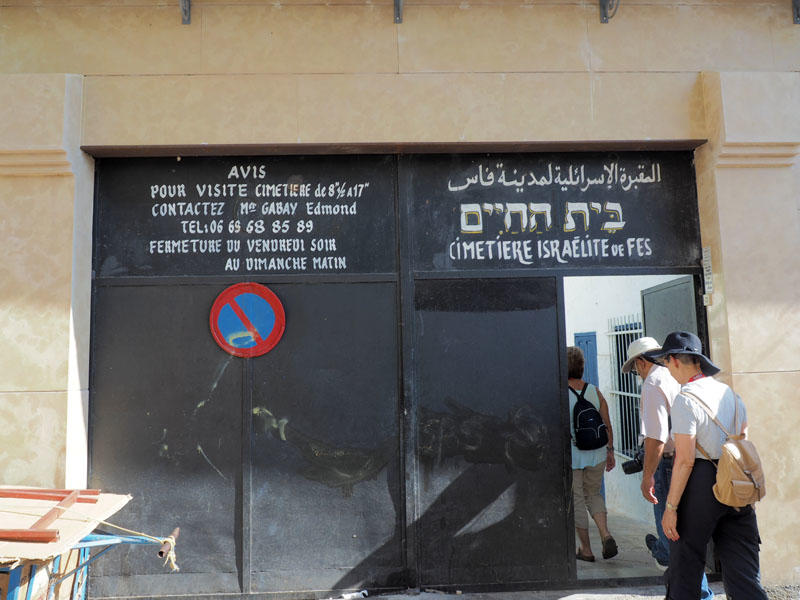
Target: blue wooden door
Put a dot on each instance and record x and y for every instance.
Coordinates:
(587, 342)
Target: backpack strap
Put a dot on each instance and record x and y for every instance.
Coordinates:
(710, 414)
(714, 418)
(582, 392)
(704, 453)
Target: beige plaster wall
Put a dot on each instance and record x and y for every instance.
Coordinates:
(32, 441)
(308, 36)
(341, 72)
(451, 72)
(769, 403)
(306, 71)
(285, 109)
(36, 234)
(748, 189)
(40, 391)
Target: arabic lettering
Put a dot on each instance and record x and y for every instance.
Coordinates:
(613, 175)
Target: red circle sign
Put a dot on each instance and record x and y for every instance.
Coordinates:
(247, 320)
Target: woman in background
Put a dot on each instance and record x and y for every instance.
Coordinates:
(588, 465)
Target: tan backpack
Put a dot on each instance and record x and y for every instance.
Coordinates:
(740, 478)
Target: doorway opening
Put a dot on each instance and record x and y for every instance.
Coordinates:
(603, 315)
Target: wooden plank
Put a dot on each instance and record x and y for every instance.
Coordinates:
(91, 492)
(37, 495)
(70, 530)
(56, 511)
(29, 535)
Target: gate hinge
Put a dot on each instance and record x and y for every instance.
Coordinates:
(796, 11)
(186, 12)
(608, 8)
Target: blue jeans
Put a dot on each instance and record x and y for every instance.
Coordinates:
(660, 552)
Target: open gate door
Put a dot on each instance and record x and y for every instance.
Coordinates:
(492, 491)
(670, 306)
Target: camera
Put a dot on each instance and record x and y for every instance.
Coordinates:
(636, 464)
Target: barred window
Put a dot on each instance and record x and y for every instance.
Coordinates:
(625, 387)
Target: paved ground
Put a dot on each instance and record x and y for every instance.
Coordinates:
(633, 561)
(614, 593)
(627, 593)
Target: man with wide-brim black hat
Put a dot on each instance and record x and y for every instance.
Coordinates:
(692, 514)
(658, 391)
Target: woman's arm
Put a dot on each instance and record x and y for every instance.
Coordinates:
(681, 469)
(611, 460)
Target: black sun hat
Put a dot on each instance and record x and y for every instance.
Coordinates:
(685, 342)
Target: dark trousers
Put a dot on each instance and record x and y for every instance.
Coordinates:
(662, 477)
(735, 533)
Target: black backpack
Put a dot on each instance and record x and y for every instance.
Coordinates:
(590, 431)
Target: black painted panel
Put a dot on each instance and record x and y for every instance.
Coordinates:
(326, 484)
(199, 216)
(493, 496)
(166, 427)
(539, 211)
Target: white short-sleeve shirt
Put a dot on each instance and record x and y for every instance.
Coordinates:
(658, 393)
(689, 417)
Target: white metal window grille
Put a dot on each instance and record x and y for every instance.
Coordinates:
(625, 388)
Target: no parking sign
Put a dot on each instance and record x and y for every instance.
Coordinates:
(247, 320)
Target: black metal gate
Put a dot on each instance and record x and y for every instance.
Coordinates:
(409, 428)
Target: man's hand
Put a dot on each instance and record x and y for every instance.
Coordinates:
(648, 489)
(653, 449)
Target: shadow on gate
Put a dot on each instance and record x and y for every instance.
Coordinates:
(485, 523)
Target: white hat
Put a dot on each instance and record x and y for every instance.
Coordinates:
(637, 348)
